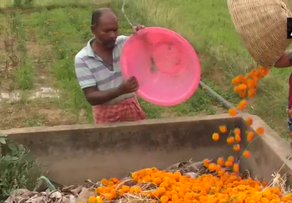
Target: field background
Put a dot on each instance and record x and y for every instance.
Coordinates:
(39, 39)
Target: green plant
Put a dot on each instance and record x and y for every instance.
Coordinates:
(22, 3)
(18, 168)
(25, 76)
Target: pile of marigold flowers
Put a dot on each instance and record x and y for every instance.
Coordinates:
(222, 183)
(163, 187)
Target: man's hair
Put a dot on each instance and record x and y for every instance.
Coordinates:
(97, 14)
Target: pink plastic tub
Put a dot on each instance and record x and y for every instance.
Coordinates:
(165, 64)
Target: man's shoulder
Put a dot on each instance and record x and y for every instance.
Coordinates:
(81, 54)
(122, 38)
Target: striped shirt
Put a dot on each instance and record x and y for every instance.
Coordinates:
(91, 71)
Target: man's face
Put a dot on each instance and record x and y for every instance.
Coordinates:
(106, 31)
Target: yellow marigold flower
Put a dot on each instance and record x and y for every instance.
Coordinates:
(223, 129)
(215, 137)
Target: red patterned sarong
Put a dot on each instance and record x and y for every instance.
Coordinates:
(127, 110)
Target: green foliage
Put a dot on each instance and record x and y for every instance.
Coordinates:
(18, 169)
(22, 3)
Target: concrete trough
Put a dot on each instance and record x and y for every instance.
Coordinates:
(72, 154)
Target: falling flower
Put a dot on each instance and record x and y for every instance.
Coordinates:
(246, 154)
(236, 148)
(250, 136)
(215, 137)
(232, 112)
(242, 105)
(260, 131)
(230, 140)
(223, 129)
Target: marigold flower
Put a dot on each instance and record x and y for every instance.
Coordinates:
(249, 121)
(231, 158)
(238, 80)
(206, 162)
(260, 131)
(240, 88)
(92, 199)
(252, 93)
(232, 112)
(237, 131)
(220, 161)
(216, 137)
(264, 71)
(250, 136)
(246, 154)
(236, 148)
(230, 140)
(237, 138)
(236, 168)
(242, 105)
(212, 167)
(223, 129)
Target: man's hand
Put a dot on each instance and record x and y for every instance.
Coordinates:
(137, 28)
(284, 61)
(131, 85)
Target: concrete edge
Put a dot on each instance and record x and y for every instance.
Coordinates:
(115, 125)
(277, 144)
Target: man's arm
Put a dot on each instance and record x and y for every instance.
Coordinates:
(96, 97)
(93, 95)
(284, 61)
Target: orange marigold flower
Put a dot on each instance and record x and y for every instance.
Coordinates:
(238, 80)
(232, 112)
(164, 199)
(246, 154)
(105, 182)
(236, 167)
(251, 83)
(264, 71)
(92, 199)
(220, 161)
(249, 121)
(237, 131)
(206, 162)
(236, 147)
(240, 88)
(212, 167)
(242, 105)
(99, 200)
(223, 129)
(228, 164)
(260, 131)
(230, 140)
(231, 159)
(250, 136)
(238, 138)
(243, 94)
(215, 137)
(252, 93)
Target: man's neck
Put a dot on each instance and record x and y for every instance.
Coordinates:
(97, 47)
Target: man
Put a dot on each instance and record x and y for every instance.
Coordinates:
(98, 71)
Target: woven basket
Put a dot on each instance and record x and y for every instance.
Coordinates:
(262, 25)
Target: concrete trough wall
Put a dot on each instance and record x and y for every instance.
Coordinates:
(72, 154)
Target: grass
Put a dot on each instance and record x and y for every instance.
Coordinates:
(220, 48)
(29, 3)
(67, 31)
